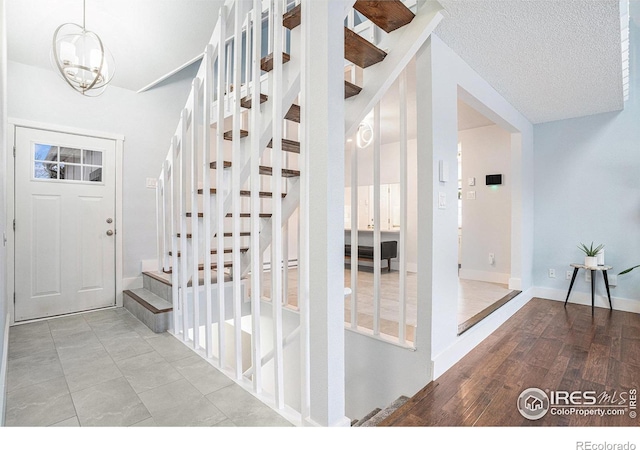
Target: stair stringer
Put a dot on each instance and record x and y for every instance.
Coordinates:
(401, 46)
(289, 204)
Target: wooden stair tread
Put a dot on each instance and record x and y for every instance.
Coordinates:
(149, 300)
(242, 215)
(388, 15)
(286, 173)
(158, 277)
(245, 193)
(245, 102)
(214, 266)
(242, 233)
(228, 135)
(215, 251)
(293, 114)
(266, 63)
(356, 49)
(287, 145)
(225, 164)
(360, 51)
(264, 170)
(350, 89)
(249, 215)
(292, 18)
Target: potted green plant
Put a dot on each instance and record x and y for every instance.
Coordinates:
(591, 254)
(629, 270)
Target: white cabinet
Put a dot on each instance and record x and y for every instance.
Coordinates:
(389, 207)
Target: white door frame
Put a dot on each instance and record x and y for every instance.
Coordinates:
(10, 189)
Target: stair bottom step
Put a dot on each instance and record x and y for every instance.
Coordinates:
(379, 416)
(149, 309)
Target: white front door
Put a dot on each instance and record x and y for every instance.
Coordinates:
(65, 223)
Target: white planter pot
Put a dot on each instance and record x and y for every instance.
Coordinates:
(591, 261)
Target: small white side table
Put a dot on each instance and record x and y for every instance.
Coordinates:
(593, 270)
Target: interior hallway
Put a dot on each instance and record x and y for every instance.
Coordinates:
(105, 368)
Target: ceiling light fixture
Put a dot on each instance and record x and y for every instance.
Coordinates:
(81, 58)
(364, 136)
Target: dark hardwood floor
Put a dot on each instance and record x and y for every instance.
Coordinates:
(542, 346)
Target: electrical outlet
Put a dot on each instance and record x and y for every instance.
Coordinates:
(568, 275)
(552, 273)
(492, 258)
(613, 280)
(587, 276)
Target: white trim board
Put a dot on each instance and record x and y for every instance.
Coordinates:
(64, 129)
(10, 186)
(584, 298)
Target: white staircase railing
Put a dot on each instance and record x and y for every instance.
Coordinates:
(217, 211)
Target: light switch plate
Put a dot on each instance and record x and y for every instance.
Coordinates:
(152, 183)
(442, 200)
(471, 181)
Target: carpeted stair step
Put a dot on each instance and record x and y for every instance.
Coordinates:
(358, 423)
(386, 412)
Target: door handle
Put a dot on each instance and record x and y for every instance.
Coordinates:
(109, 233)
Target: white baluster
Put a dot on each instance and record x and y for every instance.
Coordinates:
(220, 187)
(207, 92)
(255, 199)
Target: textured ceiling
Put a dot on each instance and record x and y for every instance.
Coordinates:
(148, 38)
(551, 59)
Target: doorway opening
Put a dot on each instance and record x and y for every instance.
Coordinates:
(484, 216)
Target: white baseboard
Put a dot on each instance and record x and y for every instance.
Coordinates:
(3, 373)
(584, 298)
(476, 334)
(480, 275)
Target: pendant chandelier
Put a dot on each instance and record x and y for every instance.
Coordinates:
(81, 58)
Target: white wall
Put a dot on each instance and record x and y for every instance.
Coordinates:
(486, 220)
(444, 78)
(4, 303)
(588, 189)
(147, 120)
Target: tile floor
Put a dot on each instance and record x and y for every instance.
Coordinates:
(106, 368)
(475, 296)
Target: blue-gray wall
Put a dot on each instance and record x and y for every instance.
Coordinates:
(587, 188)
